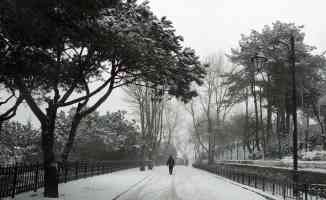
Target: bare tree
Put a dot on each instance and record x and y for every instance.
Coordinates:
(149, 103)
(214, 102)
(196, 125)
(171, 121)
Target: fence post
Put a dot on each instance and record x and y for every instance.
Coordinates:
(255, 179)
(14, 183)
(306, 191)
(76, 170)
(86, 169)
(36, 177)
(263, 184)
(95, 168)
(249, 180)
(283, 191)
(273, 192)
(237, 146)
(66, 170)
(244, 153)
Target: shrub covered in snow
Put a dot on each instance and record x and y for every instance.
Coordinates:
(314, 155)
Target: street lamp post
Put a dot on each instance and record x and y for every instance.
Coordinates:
(294, 114)
(294, 109)
(291, 49)
(258, 60)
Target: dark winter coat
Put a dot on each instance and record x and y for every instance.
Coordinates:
(170, 162)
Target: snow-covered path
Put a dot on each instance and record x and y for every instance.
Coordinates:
(185, 184)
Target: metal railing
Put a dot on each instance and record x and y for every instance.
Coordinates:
(21, 178)
(284, 189)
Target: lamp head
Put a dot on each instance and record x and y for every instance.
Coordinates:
(259, 59)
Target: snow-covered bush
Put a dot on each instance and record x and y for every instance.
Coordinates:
(19, 143)
(100, 137)
(314, 155)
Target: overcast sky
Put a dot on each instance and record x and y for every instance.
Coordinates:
(211, 26)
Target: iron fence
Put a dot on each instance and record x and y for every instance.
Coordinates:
(284, 189)
(21, 178)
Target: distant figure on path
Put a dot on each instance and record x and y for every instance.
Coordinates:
(170, 163)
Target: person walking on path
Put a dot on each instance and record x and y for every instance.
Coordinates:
(170, 163)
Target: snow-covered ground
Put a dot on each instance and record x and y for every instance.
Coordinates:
(103, 187)
(185, 184)
(317, 166)
(188, 184)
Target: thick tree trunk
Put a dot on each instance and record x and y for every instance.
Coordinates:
(143, 157)
(278, 134)
(246, 131)
(316, 113)
(50, 164)
(282, 133)
(72, 134)
(48, 126)
(210, 145)
(217, 131)
(283, 122)
(307, 132)
(323, 135)
(322, 126)
(269, 122)
(1, 124)
(288, 122)
(150, 155)
(230, 152)
(244, 151)
(250, 150)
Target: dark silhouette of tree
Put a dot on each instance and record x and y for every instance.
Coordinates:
(272, 81)
(54, 50)
(9, 103)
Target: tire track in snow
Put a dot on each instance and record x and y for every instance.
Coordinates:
(174, 194)
(136, 194)
(131, 187)
(158, 187)
(171, 192)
